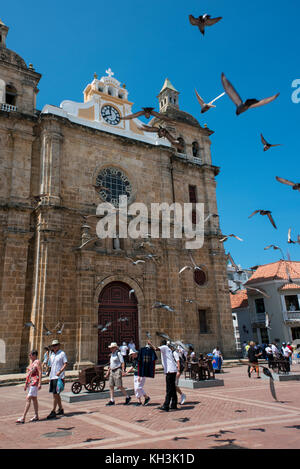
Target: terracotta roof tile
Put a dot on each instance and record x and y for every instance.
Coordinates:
(276, 271)
(289, 286)
(239, 300)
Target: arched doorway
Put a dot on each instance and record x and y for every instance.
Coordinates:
(116, 304)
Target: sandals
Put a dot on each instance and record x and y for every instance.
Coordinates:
(34, 419)
(20, 420)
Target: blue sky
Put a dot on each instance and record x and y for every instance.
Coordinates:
(255, 45)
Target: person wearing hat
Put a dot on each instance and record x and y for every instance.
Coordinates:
(58, 363)
(115, 372)
(139, 381)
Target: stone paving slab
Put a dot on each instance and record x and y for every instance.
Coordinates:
(240, 414)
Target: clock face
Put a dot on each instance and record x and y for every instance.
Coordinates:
(110, 115)
(112, 183)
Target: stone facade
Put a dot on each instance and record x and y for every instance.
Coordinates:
(49, 162)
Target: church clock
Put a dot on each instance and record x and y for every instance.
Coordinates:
(112, 183)
(110, 115)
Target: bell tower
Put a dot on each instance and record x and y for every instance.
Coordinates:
(18, 82)
(3, 33)
(168, 96)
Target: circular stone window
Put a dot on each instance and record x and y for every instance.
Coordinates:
(200, 277)
(112, 183)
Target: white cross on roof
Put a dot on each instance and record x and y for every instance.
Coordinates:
(109, 72)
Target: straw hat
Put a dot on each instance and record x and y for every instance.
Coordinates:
(55, 342)
(113, 344)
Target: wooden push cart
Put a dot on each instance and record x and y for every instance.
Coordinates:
(91, 378)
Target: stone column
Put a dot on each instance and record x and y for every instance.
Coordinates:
(86, 341)
(50, 164)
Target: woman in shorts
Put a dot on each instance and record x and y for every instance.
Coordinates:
(33, 384)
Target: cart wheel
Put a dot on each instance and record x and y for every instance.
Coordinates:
(76, 387)
(88, 387)
(97, 384)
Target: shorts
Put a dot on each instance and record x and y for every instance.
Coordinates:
(139, 386)
(115, 378)
(53, 385)
(32, 392)
(177, 379)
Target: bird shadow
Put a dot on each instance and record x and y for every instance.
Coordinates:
(297, 427)
(141, 420)
(240, 410)
(258, 429)
(88, 440)
(183, 419)
(65, 428)
(180, 438)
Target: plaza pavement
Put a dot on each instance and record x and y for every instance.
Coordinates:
(240, 414)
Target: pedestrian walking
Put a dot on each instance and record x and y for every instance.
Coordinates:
(46, 361)
(253, 355)
(33, 383)
(286, 352)
(139, 381)
(124, 351)
(131, 345)
(58, 362)
(115, 372)
(180, 362)
(170, 370)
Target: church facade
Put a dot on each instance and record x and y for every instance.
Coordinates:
(58, 279)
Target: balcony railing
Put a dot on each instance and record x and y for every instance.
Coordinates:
(7, 107)
(259, 319)
(291, 316)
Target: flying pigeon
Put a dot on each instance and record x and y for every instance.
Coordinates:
(264, 212)
(123, 320)
(47, 330)
(230, 236)
(268, 373)
(258, 290)
(103, 329)
(158, 305)
(203, 20)
(206, 106)
(295, 185)
(85, 243)
(249, 103)
(267, 145)
(275, 248)
(29, 324)
(61, 329)
(290, 241)
(214, 215)
(135, 262)
(148, 335)
(147, 112)
(184, 268)
(163, 133)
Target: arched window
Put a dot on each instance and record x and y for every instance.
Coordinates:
(195, 149)
(11, 95)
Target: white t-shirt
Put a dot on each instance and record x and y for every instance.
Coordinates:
(275, 350)
(268, 350)
(57, 361)
(217, 352)
(123, 349)
(116, 360)
(131, 346)
(168, 360)
(286, 351)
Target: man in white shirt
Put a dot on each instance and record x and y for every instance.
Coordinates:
(124, 350)
(58, 363)
(131, 345)
(286, 352)
(170, 370)
(115, 372)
